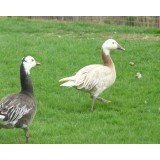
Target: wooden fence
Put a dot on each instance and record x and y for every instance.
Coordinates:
(146, 21)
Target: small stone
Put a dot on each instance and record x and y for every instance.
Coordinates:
(138, 75)
(131, 63)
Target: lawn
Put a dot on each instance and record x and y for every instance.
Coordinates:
(63, 114)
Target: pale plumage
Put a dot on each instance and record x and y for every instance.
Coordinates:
(83, 79)
(97, 77)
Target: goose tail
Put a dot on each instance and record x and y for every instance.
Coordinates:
(68, 81)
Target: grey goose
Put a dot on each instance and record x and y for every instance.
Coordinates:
(18, 110)
(95, 78)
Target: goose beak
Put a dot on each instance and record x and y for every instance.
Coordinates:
(120, 47)
(37, 63)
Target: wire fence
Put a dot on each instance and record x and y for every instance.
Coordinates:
(145, 21)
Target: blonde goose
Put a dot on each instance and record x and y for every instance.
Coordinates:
(97, 77)
(18, 110)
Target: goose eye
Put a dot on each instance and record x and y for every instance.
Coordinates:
(32, 60)
(112, 42)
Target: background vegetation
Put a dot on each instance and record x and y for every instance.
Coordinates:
(63, 114)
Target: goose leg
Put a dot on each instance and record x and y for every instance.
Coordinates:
(26, 134)
(92, 104)
(103, 100)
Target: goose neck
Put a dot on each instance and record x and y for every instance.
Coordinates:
(26, 84)
(107, 60)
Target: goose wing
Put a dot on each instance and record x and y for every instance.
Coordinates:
(14, 107)
(92, 75)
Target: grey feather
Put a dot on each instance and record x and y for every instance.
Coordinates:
(14, 107)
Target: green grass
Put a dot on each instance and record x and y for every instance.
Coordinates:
(63, 114)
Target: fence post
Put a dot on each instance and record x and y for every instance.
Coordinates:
(76, 18)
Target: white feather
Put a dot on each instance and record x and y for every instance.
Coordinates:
(68, 84)
(2, 117)
(89, 77)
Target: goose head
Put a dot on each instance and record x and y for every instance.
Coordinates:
(111, 44)
(29, 62)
